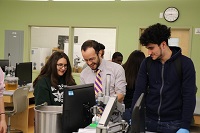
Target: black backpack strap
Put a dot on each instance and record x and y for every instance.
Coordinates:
(148, 64)
(178, 67)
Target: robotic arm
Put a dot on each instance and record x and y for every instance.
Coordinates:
(105, 125)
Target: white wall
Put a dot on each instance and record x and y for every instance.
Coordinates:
(47, 37)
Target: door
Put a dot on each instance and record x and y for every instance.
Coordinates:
(14, 45)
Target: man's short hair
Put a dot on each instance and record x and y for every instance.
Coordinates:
(92, 44)
(155, 34)
(116, 54)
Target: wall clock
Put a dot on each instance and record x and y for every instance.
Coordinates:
(171, 14)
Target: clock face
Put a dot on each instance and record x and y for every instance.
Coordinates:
(171, 14)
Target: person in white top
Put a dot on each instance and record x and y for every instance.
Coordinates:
(3, 126)
(90, 52)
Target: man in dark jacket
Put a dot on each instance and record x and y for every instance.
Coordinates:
(169, 99)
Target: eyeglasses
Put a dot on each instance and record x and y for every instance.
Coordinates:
(90, 59)
(62, 65)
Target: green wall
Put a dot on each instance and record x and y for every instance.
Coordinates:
(128, 17)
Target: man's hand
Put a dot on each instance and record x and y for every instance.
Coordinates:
(120, 98)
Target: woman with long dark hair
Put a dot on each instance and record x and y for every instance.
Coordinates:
(48, 86)
(131, 67)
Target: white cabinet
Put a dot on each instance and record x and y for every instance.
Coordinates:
(39, 57)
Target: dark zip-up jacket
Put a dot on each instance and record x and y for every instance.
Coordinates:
(168, 97)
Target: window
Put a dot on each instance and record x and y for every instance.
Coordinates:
(45, 39)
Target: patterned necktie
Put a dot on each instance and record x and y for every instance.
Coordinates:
(98, 83)
(98, 88)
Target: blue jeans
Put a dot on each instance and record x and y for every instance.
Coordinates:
(162, 127)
